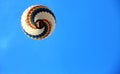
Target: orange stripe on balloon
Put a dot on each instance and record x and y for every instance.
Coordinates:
(49, 28)
(29, 15)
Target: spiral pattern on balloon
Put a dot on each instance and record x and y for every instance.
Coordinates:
(38, 22)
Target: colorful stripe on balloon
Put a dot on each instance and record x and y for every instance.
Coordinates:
(33, 12)
(44, 34)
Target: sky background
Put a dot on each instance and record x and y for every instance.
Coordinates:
(86, 39)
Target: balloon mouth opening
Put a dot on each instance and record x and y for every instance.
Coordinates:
(39, 24)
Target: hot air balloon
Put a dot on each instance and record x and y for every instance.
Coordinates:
(38, 22)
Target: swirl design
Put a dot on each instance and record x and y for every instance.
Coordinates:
(38, 22)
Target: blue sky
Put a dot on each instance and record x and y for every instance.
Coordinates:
(86, 39)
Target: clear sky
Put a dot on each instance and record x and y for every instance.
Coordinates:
(86, 39)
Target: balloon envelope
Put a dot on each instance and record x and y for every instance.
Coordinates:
(38, 22)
